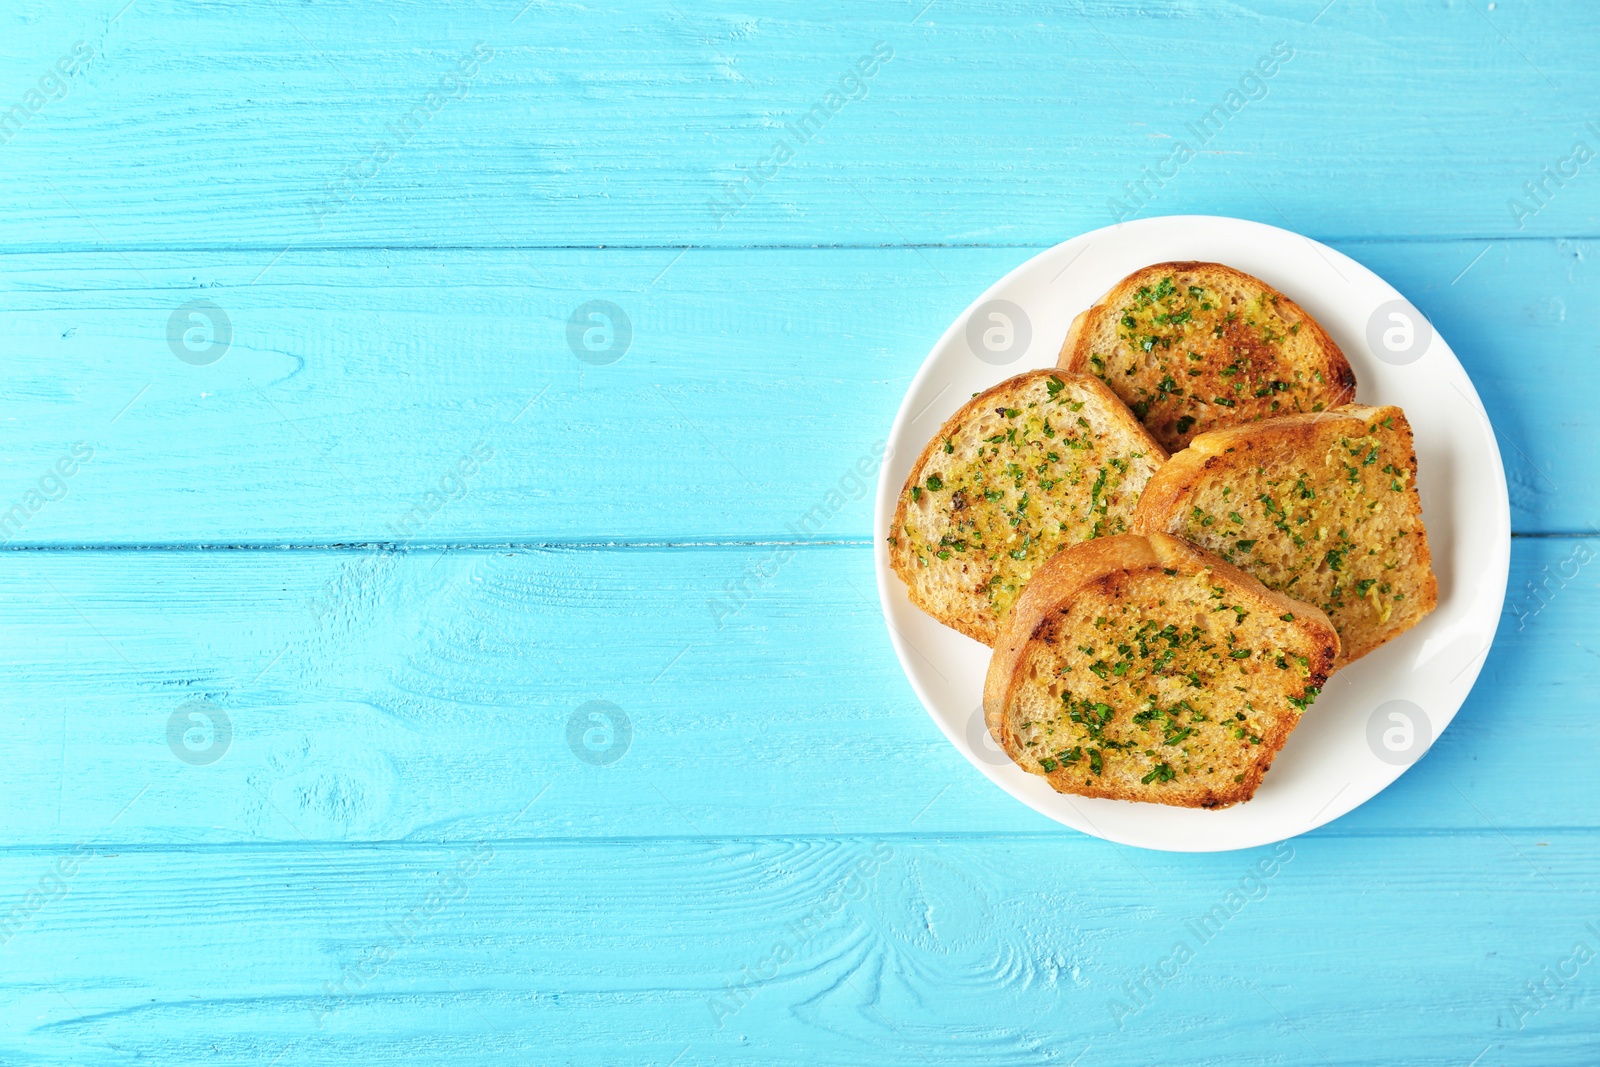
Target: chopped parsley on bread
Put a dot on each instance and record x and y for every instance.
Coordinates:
(1145, 668)
(1042, 460)
(1192, 347)
(1321, 507)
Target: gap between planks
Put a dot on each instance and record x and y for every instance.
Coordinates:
(1334, 239)
(537, 546)
(532, 844)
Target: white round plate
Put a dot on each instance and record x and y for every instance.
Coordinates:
(1373, 719)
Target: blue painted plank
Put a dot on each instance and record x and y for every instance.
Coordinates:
(862, 951)
(417, 697)
(258, 124)
(753, 385)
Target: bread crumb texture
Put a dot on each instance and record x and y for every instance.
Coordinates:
(1160, 686)
(1338, 523)
(1193, 350)
(1047, 459)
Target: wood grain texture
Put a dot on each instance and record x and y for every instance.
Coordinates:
(400, 857)
(847, 951)
(620, 124)
(755, 383)
(424, 697)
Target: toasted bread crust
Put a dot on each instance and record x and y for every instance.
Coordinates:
(1303, 372)
(971, 619)
(1286, 445)
(1105, 569)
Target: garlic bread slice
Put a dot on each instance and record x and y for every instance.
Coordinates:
(1322, 507)
(1192, 347)
(1042, 460)
(1144, 668)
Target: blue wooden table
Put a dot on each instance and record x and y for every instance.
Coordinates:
(410, 653)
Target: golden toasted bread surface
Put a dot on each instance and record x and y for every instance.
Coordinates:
(1144, 668)
(1321, 507)
(1192, 347)
(1042, 460)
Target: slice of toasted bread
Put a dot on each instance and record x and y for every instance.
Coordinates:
(1148, 669)
(1192, 347)
(1321, 507)
(1041, 460)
